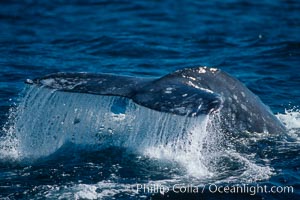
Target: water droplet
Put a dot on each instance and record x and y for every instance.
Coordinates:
(101, 128)
(110, 131)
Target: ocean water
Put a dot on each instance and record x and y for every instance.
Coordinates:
(56, 145)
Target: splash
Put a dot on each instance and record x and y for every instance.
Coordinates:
(187, 149)
(47, 119)
(291, 120)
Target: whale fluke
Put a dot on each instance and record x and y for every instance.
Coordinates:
(161, 95)
(187, 92)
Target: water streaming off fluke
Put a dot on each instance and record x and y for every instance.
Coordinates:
(47, 119)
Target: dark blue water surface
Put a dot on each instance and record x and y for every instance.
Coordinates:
(256, 41)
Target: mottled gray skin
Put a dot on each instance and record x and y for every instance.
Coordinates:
(188, 92)
(241, 110)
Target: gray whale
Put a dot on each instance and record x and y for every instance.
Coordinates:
(188, 92)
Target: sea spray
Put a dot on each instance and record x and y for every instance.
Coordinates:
(45, 120)
(291, 120)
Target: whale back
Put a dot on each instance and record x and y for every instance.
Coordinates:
(241, 109)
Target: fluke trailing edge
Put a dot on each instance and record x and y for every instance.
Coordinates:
(188, 92)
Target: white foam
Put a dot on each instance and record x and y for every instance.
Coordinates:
(253, 172)
(100, 190)
(291, 120)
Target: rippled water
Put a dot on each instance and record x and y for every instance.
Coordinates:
(257, 42)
